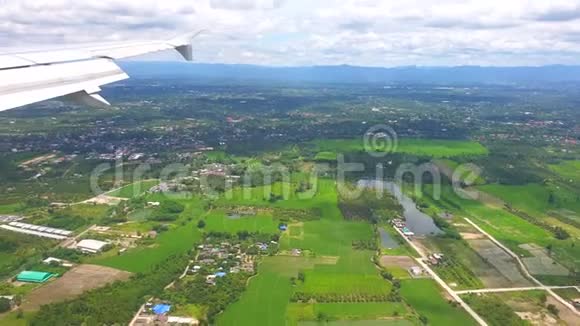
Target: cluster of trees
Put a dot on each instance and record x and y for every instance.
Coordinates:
(226, 290)
(451, 267)
(364, 245)
(66, 254)
(370, 206)
(7, 245)
(448, 230)
(303, 297)
(5, 305)
(114, 304)
(168, 211)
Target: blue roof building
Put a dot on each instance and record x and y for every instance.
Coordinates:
(161, 309)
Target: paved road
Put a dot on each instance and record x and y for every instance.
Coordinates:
(66, 243)
(529, 288)
(525, 269)
(442, 283)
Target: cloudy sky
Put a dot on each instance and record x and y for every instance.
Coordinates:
(309, 32)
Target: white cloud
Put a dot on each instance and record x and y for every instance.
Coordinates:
(298, 32)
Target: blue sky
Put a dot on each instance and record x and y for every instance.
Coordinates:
(300, 32)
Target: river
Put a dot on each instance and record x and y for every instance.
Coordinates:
(417, 221)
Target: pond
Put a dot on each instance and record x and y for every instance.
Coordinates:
(387, 240)
(417, 221)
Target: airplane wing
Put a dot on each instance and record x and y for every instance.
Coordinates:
(73, 73)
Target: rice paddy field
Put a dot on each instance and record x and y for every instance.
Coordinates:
(425, 297)
(333, 266)
(420, 147)
(534, 199)
(510, 229)
(220, 221)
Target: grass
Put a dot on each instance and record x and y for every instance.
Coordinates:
(567, 169)
(568, 294)
(425, 297)
(419, 147)
(10, 208)
(29, 249)
(11, 319)
(494, 310)
(133, 190)
(388, 322)
(534, 199)
(325, 156)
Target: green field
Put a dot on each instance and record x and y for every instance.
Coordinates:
(346, 311)
(133, 190)
(382, 322)
(567, 170)
(178, 240)
(420, 147)
(425, 297)
(534, 199)
(325, 156)
(510, 229)
(218, 221)
(333, 266)
(264, 301)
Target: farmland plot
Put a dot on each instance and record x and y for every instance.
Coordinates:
(499, 259)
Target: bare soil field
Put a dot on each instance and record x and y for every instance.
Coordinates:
(73, 283)
(501, 261)
(104, 200)
(565, 314)
(541, 263)
(404, 262)
(472, 236)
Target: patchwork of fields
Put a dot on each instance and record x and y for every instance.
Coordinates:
(419, 147)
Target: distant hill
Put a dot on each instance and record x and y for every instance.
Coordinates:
(353, 74)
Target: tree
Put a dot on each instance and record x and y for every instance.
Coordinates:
(387, 276)
(201, 224)
(5, 305)
(424, 320)
(561, 234)
(553, 310)
(301, 277)
(551, 198)
(172, 207)
(322, 317)
(549, 249)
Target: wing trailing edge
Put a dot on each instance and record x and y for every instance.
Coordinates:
(74, 73)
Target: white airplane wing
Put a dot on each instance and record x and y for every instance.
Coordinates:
(73, 73)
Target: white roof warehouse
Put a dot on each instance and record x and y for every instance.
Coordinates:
(91, 246)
